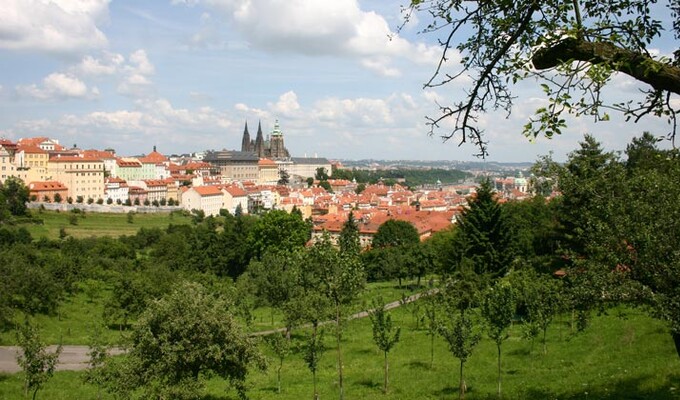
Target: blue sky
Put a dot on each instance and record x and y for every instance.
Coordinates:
(186, 76)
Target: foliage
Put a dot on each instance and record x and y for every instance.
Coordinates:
(280, 345)
(498, 310)
(573, 48)
(460, 326)
(284, 177)
(349, 236)
(486, 238)
(395, 232)
(13, 198)
(312, 351)
(98, 353)
(38, 365)
(385, 335)
(184, 336)
(278, 229)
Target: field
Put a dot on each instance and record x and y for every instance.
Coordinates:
(99, 224)
(617, 357)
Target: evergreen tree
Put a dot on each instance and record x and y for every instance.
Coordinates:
(349, 236)
(485, 236)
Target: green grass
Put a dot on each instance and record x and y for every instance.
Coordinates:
(631, 358)
(99, 224)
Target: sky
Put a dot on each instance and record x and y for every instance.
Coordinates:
(186, 75)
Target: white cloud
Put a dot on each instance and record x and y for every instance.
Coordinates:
(56, 26)
(108, 64)
(287, 105)
(312, 27)
(58, 86)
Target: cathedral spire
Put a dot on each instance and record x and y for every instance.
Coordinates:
(245, 142)
(259, 141)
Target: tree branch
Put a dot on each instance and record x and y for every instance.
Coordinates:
(657, 74)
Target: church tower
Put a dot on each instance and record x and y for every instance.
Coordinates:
(259, 142)
(246, 144)
(276, 146)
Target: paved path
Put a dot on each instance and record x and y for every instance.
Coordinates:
(75, 358)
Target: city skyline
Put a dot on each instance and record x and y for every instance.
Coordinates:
(187, 75)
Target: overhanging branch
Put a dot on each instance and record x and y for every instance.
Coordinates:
(657, 74)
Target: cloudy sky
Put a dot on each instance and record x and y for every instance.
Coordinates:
(185, 75)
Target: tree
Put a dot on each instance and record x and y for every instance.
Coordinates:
(57, 198)
(312, 351)
(385, 335)
(182, 337)
(13, 196)
(38, 365)
(571, 47)
(281, 348)
(342, 277)
(485, 237)
(97, 353)
(284, 177)
(395, 232)
(349, 236)
(278, 229)
(321, 174)
(459, 326)
(498, 309)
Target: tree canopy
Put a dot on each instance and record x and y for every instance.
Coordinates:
(571, 47)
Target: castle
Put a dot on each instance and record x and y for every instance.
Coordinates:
(272, 148)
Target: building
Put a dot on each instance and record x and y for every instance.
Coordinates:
(272, 147)
(46, 191)
(84, 177)
(269, 172)
(305, 167)
(116, 189)
(234, 198)
(235, 165)
(209, 199)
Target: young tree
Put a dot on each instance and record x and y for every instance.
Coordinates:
(498, 309)
(342, 277)
(541, 298)
(564, 45)
(385, 335)
(280, 345)
(460, 326)
(38, 365)
(284, 178)
(312, 351)
(432, 305)
(98, 353)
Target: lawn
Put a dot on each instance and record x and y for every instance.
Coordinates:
(99, 224)
(615, 358)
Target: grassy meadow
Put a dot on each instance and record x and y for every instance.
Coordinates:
(617, 357)
(99, 224)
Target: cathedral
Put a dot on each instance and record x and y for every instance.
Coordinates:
(271, 148)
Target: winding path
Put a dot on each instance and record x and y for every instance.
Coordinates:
(75, 358)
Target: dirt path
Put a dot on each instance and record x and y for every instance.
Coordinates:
(74, 357)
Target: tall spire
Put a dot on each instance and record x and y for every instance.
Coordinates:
(245, 142)
(259, 141)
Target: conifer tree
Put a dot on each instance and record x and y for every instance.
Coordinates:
(485, 236)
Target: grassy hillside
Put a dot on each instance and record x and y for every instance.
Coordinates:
(95, 224)
(616, 358)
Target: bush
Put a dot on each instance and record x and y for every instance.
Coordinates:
(100, 201)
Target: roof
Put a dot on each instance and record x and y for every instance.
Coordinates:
(265, 162)
(207, 190)
(74, 159)
(31, 149)
(310, 160)
(98, 154)
(153, 158)
(235, 191)
(46, 186)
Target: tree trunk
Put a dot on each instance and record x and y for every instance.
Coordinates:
(431, 351)
(387, 380)
(499, 369)
(545, 345)
(316, 394)
(278, 377)
(461, 388)
(337, 326)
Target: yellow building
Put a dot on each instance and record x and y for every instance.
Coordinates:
(84, 177)
(32, 161)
